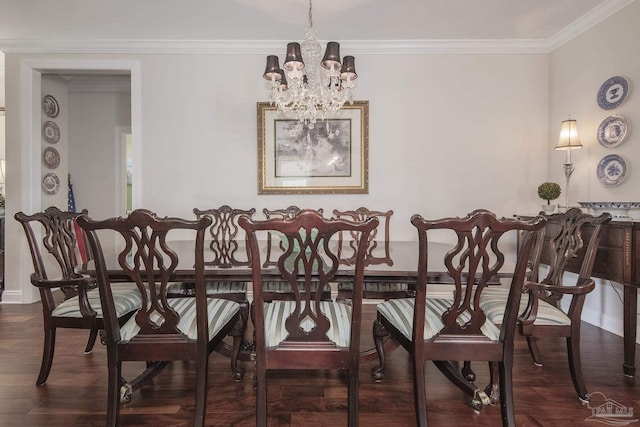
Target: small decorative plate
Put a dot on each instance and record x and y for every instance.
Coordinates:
(51, 157)
(612, 131)
(612, 170)
(50, 132)
(613, 92)
(50, 183)
(50, 106)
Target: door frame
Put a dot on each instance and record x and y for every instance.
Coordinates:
(26, 173)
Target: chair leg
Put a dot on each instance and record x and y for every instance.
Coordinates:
(467, 371)
(238, 332)
(354, 384)
(419, 392)
(201, 388)
(533, 350)
(113, 392)
(379, 335)
(493, 388)
(261, 394)
(575, 366)
(93, 334)
(506, 391)
(47, 353)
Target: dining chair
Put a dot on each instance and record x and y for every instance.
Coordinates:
(571, 242)
(53, 244)
(377, 253)
(163, 329)
(307, 332)
(289, 212)
(275, 248)
(227, 249)
(454, 329)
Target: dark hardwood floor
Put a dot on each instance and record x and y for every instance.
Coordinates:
(75, 393)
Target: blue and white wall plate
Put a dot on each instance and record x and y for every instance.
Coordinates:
(612, 170)
(613, 92)
(612, 131)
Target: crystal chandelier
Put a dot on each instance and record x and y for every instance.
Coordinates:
(310, 87)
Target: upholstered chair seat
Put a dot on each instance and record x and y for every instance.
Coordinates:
(126, 298)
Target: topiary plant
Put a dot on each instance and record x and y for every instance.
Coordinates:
(549, 191)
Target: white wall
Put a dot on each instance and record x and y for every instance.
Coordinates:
(576, 72)
(458, 132)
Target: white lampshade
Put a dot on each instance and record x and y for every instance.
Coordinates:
(569, 139)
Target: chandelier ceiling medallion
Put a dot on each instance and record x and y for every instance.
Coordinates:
(310, 87)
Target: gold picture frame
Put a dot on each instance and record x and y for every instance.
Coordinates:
(330, 157)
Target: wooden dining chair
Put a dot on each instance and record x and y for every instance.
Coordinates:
(227, 249)
(163, 329)
(571, 242)
(306, 332)
(274, 245)
(275, 248)
(378, 252)
(53, 243)
(456, 329)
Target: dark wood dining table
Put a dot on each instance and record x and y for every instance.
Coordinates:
(401, 266)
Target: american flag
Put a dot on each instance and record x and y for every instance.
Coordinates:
(71, 207)
(71, 201)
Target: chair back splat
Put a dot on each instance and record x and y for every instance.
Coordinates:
(306, 331)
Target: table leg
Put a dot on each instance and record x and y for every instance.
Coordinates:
(630, 327)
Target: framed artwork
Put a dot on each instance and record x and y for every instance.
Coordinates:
(328, 157)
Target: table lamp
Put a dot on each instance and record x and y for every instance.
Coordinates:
(568, 141)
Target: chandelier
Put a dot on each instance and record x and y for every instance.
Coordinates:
(310, 87)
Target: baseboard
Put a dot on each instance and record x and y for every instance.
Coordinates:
(11, 297)
(604, 321)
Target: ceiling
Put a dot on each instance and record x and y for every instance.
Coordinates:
(286, 19)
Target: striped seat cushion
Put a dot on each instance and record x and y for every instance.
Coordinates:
(222, 287)
(376, 287)
(399, 312)
(126, 297)
(219, 311)
(276, 312)
(493, 301)
(283, 287)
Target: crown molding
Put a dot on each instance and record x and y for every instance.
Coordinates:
(586, 21)
(267, 46)
(244, 47)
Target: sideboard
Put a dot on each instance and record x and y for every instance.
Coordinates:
(618, 260)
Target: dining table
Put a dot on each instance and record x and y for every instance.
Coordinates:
(400, 266)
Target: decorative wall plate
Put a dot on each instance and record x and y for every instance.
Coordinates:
(50, 106)
(50, 183)
(50, 132)
(51, 157)
(612, 131)
(613, 92)
(612, 170)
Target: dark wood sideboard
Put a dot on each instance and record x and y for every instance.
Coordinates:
(617, 259)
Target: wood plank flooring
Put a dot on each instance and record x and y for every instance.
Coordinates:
(75, 393)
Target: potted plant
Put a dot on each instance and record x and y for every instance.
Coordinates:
(549, 191)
